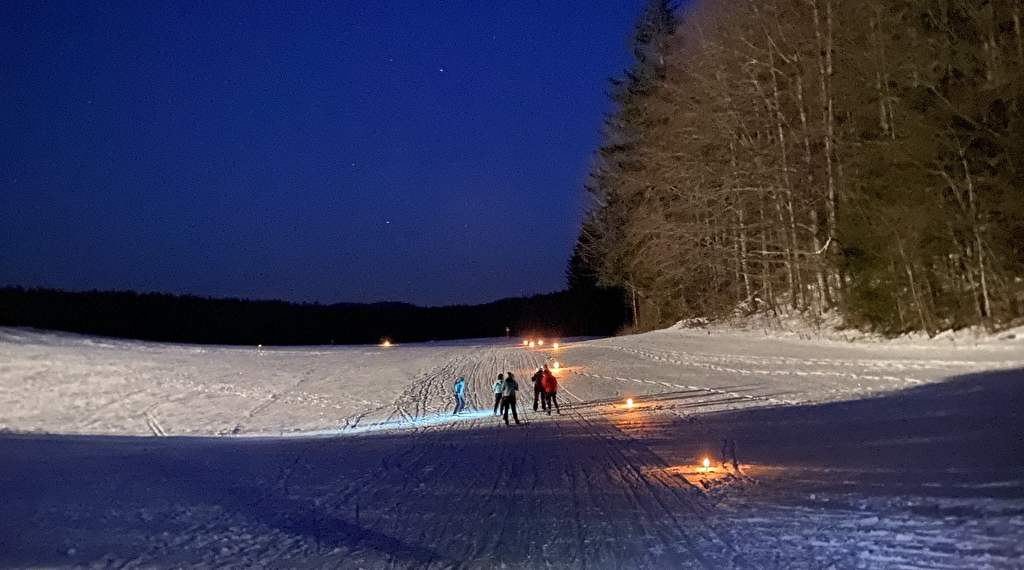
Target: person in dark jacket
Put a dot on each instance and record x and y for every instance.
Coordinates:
(550, 390)
(508, 397)
(460, 395)
(499, 385)
(538, 390)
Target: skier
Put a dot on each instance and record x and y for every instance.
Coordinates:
(538, 389)
(508, 399)
(550, 390)
(460, 397)
(498, 385)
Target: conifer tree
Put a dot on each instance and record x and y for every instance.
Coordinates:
(602, 244)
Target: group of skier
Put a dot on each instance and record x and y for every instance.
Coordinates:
(545, 389)
(545, 393)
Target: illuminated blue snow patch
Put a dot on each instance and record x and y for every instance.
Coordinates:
(423, 421)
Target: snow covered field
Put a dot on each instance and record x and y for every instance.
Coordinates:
(905, 454)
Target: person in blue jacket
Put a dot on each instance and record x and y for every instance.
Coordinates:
(460, 395)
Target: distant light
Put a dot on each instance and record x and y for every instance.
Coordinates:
(555, 345)
(541, 342)
(526, 342)
(385, 343)
(629, 402)
(707, 463)
(555, 365)
(532, 344)
(259, 346)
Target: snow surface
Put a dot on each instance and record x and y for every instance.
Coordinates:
(864, 454)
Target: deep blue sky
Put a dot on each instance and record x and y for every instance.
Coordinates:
(432, 152)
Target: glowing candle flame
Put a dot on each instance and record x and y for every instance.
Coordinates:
(555, 365)
(532, 344)
(526, 342)
(707, 463)
(540, 342)
(555, 345)
(629, 402)
(386, 343)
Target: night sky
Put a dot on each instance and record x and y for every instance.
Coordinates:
(344, 151)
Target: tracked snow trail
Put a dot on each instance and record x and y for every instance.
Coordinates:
(848, 456)
(567, 494)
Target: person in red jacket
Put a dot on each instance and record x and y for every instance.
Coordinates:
(550, 390)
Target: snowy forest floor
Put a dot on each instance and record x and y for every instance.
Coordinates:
(903, 454)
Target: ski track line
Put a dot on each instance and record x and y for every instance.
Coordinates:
(896, 363)
(745, 372)
(674, 488)
(411, 404)
(629, 471)
(503, 490)
(151, 421)
(367, 492)
(893, 364)
(366, 486)
(581, 534)
(281, 396)
(430, 387)
(452, 516)
(509, 476)
(650, 527)
(95, 417)
(488, 549)
(835, 386)
(738, 397)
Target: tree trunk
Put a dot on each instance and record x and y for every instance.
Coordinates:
(788, 255)
(972, 202)
(885, 110)
(787, 180)
(1017, 32)
(743, 260)
(824, 40)
(913, 288)
(766, 274)
(896, 297)
(819, 265)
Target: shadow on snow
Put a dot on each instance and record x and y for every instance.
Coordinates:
(384, 494)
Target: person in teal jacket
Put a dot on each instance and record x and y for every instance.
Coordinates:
(460, 395)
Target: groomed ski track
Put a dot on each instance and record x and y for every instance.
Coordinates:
(405, 485)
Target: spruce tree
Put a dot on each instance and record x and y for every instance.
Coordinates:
(601, 247)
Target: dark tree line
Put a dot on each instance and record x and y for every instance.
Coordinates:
(583, 311)
(816, 156)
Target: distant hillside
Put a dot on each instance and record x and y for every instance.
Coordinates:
(191, 319)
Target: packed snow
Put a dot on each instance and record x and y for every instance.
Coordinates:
(824, 453)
